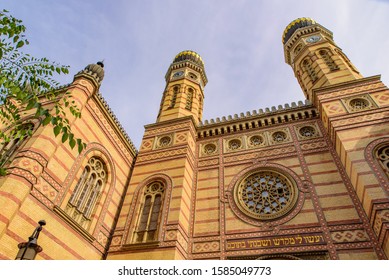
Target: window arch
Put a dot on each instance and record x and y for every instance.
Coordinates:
(189, 99)
(307, 66)
(325, 55)
(174, 97)
(150, 212)
(12, 142)
(87, 191)
(382, 156)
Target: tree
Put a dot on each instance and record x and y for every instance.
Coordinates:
(27, 84)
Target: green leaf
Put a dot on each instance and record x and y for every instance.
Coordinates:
(46, 121)
(20, 44)
(65, 136)
(80, 148)
(72, 143)
(57, 130)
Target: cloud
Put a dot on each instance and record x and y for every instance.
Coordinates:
(240, 42)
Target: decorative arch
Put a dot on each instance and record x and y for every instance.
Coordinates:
(189, 98)
(175, 90)
(326, 55)
(136, 210)
(306, 65)
(379, 161)
(76, 182)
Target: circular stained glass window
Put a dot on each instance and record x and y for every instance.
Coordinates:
(209, 149)
(359, 104)
(164, 141)
(279, 136)
(307, 131)
(265, 195)
(255, 140)
(234, 144)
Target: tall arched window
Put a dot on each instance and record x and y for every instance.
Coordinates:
(308, 68)
(189, 99)
(325, 55)
(174, 97)
(87, 191)
(150, 212)
(10, 145)
(382, 156)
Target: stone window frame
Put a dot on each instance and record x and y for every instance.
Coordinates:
(150, 212)
(263, 144)
(227, 141)
(157, 141)
(87, 192)
(326, 54)
(314, 125)
(346, 102)
(271, 141)
(204, 153)
(129, 234)
(301, 188)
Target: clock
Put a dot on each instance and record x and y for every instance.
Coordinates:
(178, 74)
(313, 39)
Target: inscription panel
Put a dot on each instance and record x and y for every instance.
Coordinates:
(273, 242)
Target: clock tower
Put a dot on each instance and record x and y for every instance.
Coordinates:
(184, 91)
(314, 56)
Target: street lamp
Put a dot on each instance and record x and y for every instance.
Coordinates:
(28, 250)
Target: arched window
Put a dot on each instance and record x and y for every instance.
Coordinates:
(382, 156)
(325, 55)
(87, 191)
(308, 68)
(189, 99)
(174, 97)
(150, 212)
(13, 142)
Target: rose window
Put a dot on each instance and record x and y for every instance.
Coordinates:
(307, 131)
(209, 149)
(279, 136)
(164, 141)
(265, 195)
(234, 144)
(359, 104)
(256, 140)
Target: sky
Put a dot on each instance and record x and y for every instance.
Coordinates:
(239, 41)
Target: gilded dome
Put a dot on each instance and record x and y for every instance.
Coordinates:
(189, 55)
(294, 25)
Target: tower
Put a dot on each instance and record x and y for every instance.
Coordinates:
(314, 56)
(155, 220)
(184, 91)
(354, 111)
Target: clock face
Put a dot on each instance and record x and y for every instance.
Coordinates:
(178, 74)
(313, 39)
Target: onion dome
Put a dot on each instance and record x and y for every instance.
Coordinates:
(189, 55)
(96, 70)
(294, 25)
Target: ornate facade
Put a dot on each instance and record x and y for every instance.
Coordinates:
(301, 181)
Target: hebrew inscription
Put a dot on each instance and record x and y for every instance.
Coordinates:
(282, 241)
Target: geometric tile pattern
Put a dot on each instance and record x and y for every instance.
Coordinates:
(203, 247)
(334, 108)
(349, 236)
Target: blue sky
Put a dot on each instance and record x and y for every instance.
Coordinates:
(239, 41)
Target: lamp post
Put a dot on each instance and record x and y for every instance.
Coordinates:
(28, 250)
